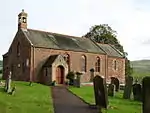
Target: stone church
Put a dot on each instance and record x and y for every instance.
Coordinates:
(43, 57)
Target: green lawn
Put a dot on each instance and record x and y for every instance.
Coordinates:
(0, 75)
(27, 99)
(118, 105)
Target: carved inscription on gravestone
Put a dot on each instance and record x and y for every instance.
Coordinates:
(100, 90)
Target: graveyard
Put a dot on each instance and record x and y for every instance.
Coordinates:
(116, 104)
(27, 99)
(33, 97)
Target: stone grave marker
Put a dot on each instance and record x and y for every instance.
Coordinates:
(115, 81)
(92, 74)
(146, 94)
(111, 90)
(128, 87)
(8, 83)
(77, 80)
(100, 91)
(137, 92)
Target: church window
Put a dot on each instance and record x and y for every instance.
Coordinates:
(115, 65)
(97, 64)
(18, 49)
(83, 63)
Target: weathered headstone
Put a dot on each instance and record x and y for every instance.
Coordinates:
(137, 91)
(100, 90)
(115, 81)
(8, 83)
(146, 94)
(92, 74)
(111, 90)
(128, 87)
(77, 80)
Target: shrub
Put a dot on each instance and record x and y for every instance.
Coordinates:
(1, 71)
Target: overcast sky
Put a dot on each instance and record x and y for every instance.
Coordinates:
(130, 18)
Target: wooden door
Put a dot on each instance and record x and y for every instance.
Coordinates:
(60, 75)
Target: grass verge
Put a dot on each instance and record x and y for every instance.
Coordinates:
(117, 103)
(27, 99)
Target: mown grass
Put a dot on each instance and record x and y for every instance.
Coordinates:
(0, 75)
(117, 103)
(27, 99)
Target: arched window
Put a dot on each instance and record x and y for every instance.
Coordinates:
(67, 59)
(18, 49)
(115, 65)
(97, 64)
(83, 63)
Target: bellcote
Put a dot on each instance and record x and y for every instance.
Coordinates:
(22, 20)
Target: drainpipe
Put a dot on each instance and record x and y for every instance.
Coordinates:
(32, 67)
(106, 67)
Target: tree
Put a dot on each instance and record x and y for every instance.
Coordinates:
(103, 33)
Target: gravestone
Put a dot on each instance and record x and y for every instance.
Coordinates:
(115, 81)
(111, 90)
(100, 91)
(146, 94)
(137, 92)
(8, 83)
(77, 80)
(128, 87)
(92, 74)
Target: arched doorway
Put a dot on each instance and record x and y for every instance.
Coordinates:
(60, 72)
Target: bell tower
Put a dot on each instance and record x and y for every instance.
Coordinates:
(22, 20)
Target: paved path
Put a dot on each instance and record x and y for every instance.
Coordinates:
(66, 102)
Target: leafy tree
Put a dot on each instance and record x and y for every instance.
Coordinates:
(103, 33)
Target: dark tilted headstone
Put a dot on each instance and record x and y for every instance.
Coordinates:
(128, 87)
(111, 90)
(100, 90)
(146, 94)
(137, 92)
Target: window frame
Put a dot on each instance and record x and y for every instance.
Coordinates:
(83, 63)
(98, 64)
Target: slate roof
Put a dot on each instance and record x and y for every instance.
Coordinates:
(110, 50)
(50, 60)
(63, 42)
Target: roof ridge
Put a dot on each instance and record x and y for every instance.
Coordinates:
(116, 50)
(55, 33)
(98, 46)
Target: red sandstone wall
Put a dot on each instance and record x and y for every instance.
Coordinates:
(14, 60)
(120, 71)
(41, 54)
